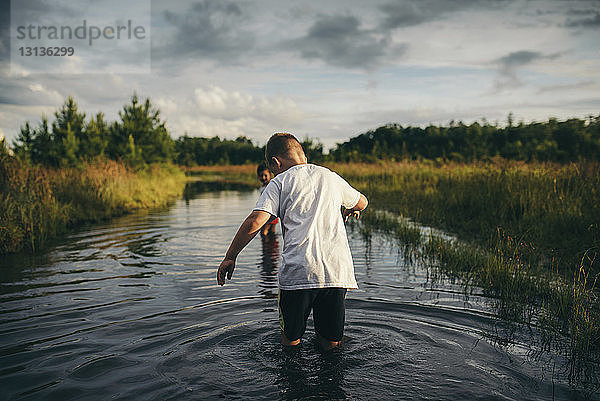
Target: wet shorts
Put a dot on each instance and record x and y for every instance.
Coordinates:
(328, 309)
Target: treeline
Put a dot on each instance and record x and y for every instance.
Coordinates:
(194, 151)
(557, 141)
(139, 137)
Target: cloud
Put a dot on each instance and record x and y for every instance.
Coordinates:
(209, 29)
(587, 84)
(340, 41)
(214, 111)
(519, 58)
(4, 31)
(509, 64)
(24, 92)
(592, 21)
(215, 101)
(405, 13)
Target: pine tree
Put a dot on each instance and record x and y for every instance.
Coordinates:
(44, 150)
(143, 123)
(24, 142)
(69, 122)
(70, 146)
(95, 140)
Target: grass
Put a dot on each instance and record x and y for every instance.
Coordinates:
(553, 208)
(242, 175)
(529, 237)
(37, 203)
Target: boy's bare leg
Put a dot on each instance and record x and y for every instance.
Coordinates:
(327, 344)
(287, 342)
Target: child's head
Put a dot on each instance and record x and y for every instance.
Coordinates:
(283, 150)
(263, 173)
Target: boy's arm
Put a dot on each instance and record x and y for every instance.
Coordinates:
(244, 235)
(359, 207)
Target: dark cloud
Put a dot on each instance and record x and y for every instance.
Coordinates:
(592, 20)
(209, 29)
(404, 13)
(4, 32)
(21, 92)
(520, 58)
(39, 11)
(509, 64)
(339, 40)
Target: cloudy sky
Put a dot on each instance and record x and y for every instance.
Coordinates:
(329, 69)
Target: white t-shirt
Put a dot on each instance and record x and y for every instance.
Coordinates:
(307, 199)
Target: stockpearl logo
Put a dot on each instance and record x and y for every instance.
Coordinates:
(80, 37)
(82, 32)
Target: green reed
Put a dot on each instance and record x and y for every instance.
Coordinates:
(529, 238)
(37, 203)
(553, 208)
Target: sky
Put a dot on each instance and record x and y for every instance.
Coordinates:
(324, 69)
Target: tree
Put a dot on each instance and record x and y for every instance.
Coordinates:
(143, 123)
(44, 149)
(133, 155)
(68, 132)
(70, 148)
(95, 139)
(23, 144)
(313, 149)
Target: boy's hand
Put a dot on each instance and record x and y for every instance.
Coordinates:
(350, 212)
(226, 267)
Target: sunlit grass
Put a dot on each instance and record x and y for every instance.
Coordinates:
(39, 203)
(553, 208)
(243, 175)
(529, 237)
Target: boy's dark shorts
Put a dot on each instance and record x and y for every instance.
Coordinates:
(328, 309)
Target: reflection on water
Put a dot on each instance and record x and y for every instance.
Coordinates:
(268, 265)
(130, 309)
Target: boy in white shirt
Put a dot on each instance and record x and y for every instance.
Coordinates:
(317, 266)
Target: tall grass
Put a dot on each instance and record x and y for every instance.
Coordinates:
(554, 208)
(242, 175)
(529, 238)
(37, 203)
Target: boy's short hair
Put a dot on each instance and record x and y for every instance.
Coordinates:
(284, 145)
(261, 167)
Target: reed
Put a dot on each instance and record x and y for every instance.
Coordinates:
(242, 175)
(39, 203)
(553, 208)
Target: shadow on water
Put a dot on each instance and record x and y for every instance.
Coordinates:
(130, 309)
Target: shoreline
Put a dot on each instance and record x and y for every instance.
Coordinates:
(39, 203)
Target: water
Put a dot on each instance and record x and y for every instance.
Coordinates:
(130, 309)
